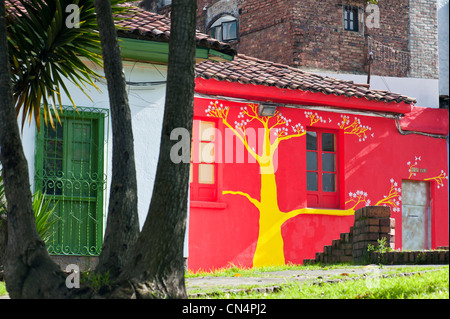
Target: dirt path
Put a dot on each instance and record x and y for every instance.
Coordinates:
(271, 281)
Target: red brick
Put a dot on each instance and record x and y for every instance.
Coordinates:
(385, 229)
(378, 212)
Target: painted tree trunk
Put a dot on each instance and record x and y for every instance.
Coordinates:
(269, 248)
(270, 244)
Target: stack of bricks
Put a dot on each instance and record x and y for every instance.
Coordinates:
(435, 257)
(340, 251)
(372, 223)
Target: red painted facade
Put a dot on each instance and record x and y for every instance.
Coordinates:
(372, 158)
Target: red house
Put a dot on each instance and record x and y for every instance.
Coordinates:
(282, 158)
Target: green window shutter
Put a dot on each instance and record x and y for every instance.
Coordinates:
(70, 171)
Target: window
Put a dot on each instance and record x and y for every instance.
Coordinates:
(224, 29)
(69, 171)
(350, 18)
(321, 169)
(203, 175)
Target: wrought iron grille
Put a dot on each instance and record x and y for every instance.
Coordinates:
(70, 166)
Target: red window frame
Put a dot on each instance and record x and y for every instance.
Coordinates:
(202, 191)
(322, 197)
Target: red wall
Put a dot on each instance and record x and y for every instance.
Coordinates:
(226, 232)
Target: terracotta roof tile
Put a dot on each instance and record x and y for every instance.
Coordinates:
(146, 25)
(140, 24)
(249, 70)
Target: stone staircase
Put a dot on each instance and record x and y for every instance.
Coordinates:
(340, 251)
(372, 223)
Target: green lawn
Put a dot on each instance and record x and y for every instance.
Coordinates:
(234, 270)
(428, 285)
(2, 288)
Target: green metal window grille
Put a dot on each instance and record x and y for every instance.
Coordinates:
(70, 171)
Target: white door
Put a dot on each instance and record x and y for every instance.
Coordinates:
(416, 234)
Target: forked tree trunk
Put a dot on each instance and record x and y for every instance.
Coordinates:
(156, 267)
(29, 271)
(122, 227)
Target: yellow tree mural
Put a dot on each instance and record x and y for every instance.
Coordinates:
(413, 169)
(393, 198)
(276, 129)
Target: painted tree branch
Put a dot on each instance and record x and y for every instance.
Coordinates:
(251, 200)
(393, 198)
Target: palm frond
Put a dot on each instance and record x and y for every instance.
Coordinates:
(45, 52)
(43, 214)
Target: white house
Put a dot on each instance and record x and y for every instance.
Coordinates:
(73, 163)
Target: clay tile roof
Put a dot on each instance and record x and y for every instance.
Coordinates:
(249, 70)
(140, 24)
(145, 25)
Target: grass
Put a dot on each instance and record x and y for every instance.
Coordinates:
(427, 285)
(233, 270)
(2, 289)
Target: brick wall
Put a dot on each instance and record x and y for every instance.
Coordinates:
(373, 223)
(423, 39)
(320, 39)
(209, 11)
(266, 30)
(389, 42)
(310, 34)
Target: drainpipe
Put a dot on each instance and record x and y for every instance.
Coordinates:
(369, 60)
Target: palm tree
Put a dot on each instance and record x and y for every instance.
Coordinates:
(49, 55)
(45, 49)
(39, 49)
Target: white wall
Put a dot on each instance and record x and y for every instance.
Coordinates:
(147, 108)
(425, 91)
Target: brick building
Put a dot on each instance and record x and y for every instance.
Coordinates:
(334, 37)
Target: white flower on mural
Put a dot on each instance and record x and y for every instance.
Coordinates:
(413, 169)
(314, 117)
(355, 128)
(393, 198)
(438, 179)
(358, 197)
(413, 166)
(278, 127)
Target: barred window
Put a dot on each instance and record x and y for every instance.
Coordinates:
(351, 18)
(70, 171)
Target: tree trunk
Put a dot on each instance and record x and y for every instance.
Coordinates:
(29, 271)
(269, 247)
(156, 267)
(122, 227)
(3, 242)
